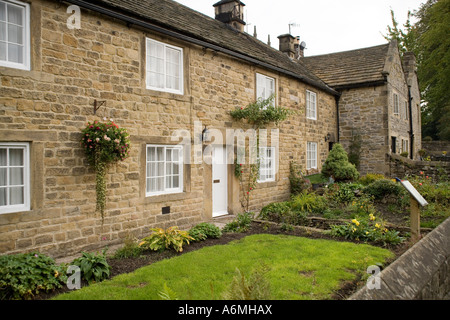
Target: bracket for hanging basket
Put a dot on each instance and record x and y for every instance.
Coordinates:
(97, 105)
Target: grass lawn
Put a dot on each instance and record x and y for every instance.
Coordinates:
(300, 268)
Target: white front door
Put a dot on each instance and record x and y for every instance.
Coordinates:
(219, 181)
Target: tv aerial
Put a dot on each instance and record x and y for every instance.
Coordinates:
(293, 25)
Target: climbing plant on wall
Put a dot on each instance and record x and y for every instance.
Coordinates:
(257, 114)
(104, 144)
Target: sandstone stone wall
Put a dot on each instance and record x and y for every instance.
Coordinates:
(368, 112)
(105, 61)
(402, 167)
(422, 273)
(363, 112)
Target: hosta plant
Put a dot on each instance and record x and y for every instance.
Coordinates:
(104, 144)
(94, 267)
(162, 239)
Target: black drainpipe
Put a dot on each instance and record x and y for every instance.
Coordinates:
(337, 117)
(411, 132)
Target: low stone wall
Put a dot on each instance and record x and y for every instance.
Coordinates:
(401, 167)
(421, 273)
(436, 147)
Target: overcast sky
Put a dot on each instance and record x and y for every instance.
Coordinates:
(325, 25)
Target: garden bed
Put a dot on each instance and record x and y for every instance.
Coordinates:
(127, 265)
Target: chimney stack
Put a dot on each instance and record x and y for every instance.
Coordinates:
(287, 42)
(231, 12)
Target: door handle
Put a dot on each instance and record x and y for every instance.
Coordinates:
(217, 181)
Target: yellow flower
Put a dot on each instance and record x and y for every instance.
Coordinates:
(372, 217)
(56, 273)
(377, 225)
(353, 229)
(355, 222)
(367, 232)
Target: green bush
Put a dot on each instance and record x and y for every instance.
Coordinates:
(308, 202)
(281, 212)
(337, 165)
(93, 267)
(274, 211)
(343, 192)
(205, 230)
(131, 249)
(242, 223)
(24, 275)
(298, 183)
(380, 189)
(171, 238)
(370, 177)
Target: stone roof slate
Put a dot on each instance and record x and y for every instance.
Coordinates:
(181, 19)
(350, 68)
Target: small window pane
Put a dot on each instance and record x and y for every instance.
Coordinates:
(2, 11)
(16, 176)
(3, 153)
(176, 182)
(3, 197)
(15, 34)
(2, 31)
(3, 51)
(15, 53)
(16, 196)
(3, 177)
(15, 15)
(16, 157)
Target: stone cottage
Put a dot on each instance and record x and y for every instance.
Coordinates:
(154, 66)
(379, 104)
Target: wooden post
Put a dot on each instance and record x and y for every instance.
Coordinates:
(415, 220)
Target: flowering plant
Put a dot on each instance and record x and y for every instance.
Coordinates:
(104, 144)
(367, 228)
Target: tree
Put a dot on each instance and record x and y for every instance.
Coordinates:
(337, 165)
(428, 39)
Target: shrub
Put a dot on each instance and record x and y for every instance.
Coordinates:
(380, 189)
(371, 177)
(274, 211)
(337, 165)
(131, 249)
(343, 192)
(367, 228)
(24, 275)
(242, 223)
(205, 230)
(297, 182)
(93, 267)
(308, 202)
(171, 238)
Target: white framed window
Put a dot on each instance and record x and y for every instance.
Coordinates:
(164, 67)
(14, 177)
(311, 155)
(266, 164)
(265, 86)
(406, 110)
(311, 105)
(405, 145)
(15, 34)
(396, 105)
(164, 172)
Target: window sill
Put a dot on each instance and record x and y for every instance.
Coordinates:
(169, 95)
(267, 184)
(165, 197)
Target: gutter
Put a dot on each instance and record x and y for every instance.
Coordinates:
(146, 25)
